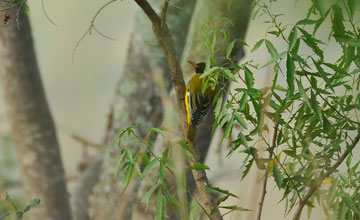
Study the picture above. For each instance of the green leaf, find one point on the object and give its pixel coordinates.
(344, 179)
(243, 101)
(303, 93)
(319, 5)
(242, 42)
(119, 162)
(229, 48)
(149, 167)
(292, 38)
(273, 52)
(28, 207)
(326, 125)
(352, 7)
(199, 166)
(26, 9)
(249, 79)
(162, 170)
(257, 45)
(159, 206)
(300, 59)
(156, 130)
(311, 42)
(337, 69)
(290, 73)
(306, 22)
(242, 139)
(183, 144)
(209, 71)
(337, 22)
(213, 42)
(333, 190)
(129, 156)
(229, 75)
(277, 176)
(228, 130)
(323, 75)
(235, 208)
(348, 160)
(349, 41)
(240, 119)
(316, 107)
(218, 189)
(127, 176)
(218, 106)
(222, 199)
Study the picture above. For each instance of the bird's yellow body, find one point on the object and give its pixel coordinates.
(197, 103)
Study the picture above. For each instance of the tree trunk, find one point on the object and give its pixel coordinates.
(32, 126)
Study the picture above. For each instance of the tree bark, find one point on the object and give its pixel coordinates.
(32, 126)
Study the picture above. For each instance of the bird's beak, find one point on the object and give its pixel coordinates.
(193, 64)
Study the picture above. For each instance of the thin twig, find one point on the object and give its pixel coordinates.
(92, 26)
(271, 150)
(46, 15)
(163, 12)
(326, 175)
(85, 142)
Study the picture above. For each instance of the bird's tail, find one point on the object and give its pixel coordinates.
(191, 133)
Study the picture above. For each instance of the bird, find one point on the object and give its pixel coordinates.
(197, 103)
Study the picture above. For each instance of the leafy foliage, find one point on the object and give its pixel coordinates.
(12, 210)
(312, 103)
(317, 113)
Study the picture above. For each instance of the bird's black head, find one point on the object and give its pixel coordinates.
(199, 67)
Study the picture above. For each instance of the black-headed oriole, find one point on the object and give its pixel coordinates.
(197, 103)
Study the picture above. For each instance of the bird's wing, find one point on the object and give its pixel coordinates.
(198, 107)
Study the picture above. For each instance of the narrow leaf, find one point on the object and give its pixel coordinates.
(290, 73)
(183, 144)
(319, 4)
(306, 22)
(277, 176)
(257, 45)
(200, 166)
(316, 107)
(149, 167)
(303, 93)
(240, 119)
(323, 74)
(235, 208)
(273, 52)
(159, 206)
(229, 75)
(337, 22)
(229, 48)
(292, 38)
(249, 79)
(352, 7)
(310, 41)
(209, 71)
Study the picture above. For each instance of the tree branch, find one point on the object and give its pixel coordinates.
(331, 170)
(163, 36)
(163, 12)
(261, 203)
